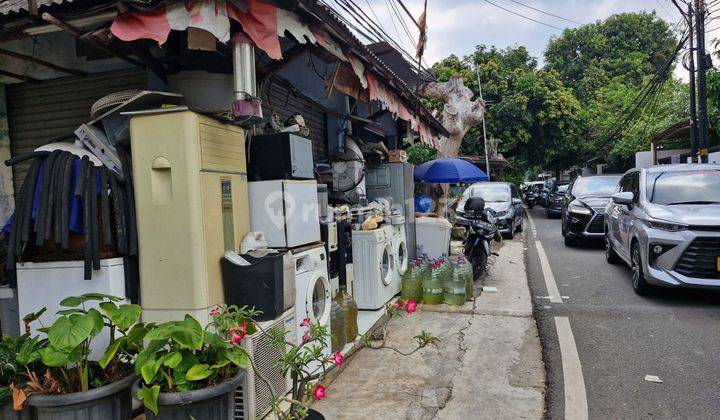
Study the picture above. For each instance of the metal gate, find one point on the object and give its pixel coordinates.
(40, 112)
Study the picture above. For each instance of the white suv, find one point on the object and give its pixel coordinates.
(664, 222)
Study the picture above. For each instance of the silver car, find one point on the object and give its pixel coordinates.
(504, 199)
(664, 222)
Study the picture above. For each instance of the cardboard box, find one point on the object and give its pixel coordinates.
(397, 156)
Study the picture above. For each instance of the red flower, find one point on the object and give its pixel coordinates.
(306, 337)
(215, 312)
(242, 328)
(411, 306)
(318, 392)
(338, 358)
(305, 322)
(400, 303)
(236, 338)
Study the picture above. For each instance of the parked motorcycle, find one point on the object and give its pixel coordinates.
(480, 223)
(530, 198)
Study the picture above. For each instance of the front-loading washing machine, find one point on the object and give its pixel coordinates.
(312, 291)
(399, 247)
(374, 273)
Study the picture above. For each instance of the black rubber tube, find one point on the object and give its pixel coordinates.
(105, 207)
(39, 227)
(87, 228)
(52, 195)
(80, 184)
(67, 194)
(94, 217)
(123, 238)
(27, 156)
(131, 224)
(59, 188)
(117, 213)
(29, 200)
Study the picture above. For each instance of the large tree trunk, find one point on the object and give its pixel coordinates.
(458, 116)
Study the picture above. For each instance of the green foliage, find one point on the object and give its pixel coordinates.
(182, 356)
(536, 118)
(70, 337)
(420, 153)
(561, 115)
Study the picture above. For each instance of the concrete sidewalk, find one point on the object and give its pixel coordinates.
(488, 364)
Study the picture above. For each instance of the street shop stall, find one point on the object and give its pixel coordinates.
(253, 159)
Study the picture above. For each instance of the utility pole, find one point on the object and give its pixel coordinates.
(701, 82)
(693, 106)
(485, 141)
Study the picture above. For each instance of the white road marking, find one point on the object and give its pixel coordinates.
(550, 285)
(532, 224)
(576, 406)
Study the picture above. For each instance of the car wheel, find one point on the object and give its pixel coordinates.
(610, 255)
(511, 231)
(520, 226)
(639, 283)
(570, 241)
(562, 228)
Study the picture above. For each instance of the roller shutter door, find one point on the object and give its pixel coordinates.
(40, 112)
(281, 100)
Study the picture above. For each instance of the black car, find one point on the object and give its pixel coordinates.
(583, 208)
(555, 199)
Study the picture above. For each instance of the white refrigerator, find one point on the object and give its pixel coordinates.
(286, 211)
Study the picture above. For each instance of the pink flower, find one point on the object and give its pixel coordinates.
(338, 358)
(306, 337)
(400, 303)
(236, 338)
(411, 306)
(215, 312)
(242, 328)
(318, 392)
(305, 322)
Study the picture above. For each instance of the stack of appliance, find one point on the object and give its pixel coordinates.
(284, 206)
(394, 182)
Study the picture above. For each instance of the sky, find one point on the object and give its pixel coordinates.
(456, 26)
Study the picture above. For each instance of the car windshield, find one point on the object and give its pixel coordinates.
(489, 192)
(684, 187)
(561, 188)
(602, 186)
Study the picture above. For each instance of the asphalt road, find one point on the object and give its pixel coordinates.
(621, 337)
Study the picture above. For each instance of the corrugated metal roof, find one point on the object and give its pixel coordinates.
(16, 6)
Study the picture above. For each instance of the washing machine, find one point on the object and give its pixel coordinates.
(374, 273)
(399, 247)
(312, 291)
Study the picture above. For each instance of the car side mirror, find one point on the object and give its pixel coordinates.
(625, 198)
(516, 201)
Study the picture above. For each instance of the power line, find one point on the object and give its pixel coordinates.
(523, 16)
(547, 13)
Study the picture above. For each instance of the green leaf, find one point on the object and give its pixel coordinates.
(110, 352)
(32, 316)
(53, 357)
(172, 360)
(98, 321)
(28, 352)
(135, 336)
(70, 311)
(238, 357)
(150, 368)
(124, 316)
(69, 331)
(188, 332)
(198, 372)
(74, 301)
(149, 397)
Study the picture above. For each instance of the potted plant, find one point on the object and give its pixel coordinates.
(12, 372)
(68, 383)
(306, 362)
(188, 372)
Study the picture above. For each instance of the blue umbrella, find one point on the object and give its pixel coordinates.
(448, 171)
